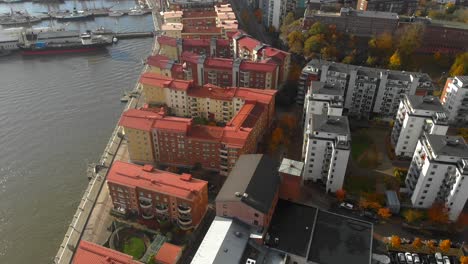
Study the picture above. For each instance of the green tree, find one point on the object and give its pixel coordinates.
(371, 61)
(460, 65)
(348, 59)
(314, 44)
(317, 28)
(410, 39)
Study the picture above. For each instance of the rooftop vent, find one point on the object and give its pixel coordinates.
(237, 194)
(453, 142)
(238, 234)
(428, 99)
(245, 195)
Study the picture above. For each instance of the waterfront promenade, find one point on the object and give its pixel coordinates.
(92, 215)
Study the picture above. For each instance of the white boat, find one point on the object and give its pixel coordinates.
(116, 14)
(136, 12)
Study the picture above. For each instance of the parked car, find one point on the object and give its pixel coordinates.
(438, 257)
(369, 215)
(431, 259)
(347, 206)
(409, 258)
(401, 258)
(446, 260)
(416, 259)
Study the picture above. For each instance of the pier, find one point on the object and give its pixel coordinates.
(90, 209)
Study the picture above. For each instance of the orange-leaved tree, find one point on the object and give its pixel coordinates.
(445, 245)
(438, 213)
(395, 241)
(431, 245)
(464, 259)
(417, 243)
(340, 194)
(384, 212)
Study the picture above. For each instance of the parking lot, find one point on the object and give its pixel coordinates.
(408, 258)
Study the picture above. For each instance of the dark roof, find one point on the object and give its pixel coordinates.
(255, 177)
(320, 236)
(325, 88)
(429, 103)
(292, 225)
(330, 124)
(340, 239)
(448, 145)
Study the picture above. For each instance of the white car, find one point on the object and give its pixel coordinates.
(438, 257)
(416, 259)
(409, 258)
(347, 206)
(446, 260)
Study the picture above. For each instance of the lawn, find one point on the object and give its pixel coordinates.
(358, 184)
(359, 144)
(134, 247)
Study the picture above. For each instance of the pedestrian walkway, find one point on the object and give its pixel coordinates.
(153, 248)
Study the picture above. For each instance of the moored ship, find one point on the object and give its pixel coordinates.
(61, 41)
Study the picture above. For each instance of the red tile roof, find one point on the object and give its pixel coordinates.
(209, 133)
(223, 42)
(257, 66)
(139, 119)
(165, 40)
(201, 29)
(249, 43)
(133, 175)
(159, 61)
(168, 254)
(276, 53)
(190, 57)
(196, 43)
(158, 80)
(199, 14)
(90, 253)
(218, 63)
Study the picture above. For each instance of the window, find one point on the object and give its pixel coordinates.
(432, 172)
(434, 167)
(423, 197)
(255, 222)
(255, 214)
(420, 203)
(425, 191)
(224, 205)
(429, 179)
(428, 185)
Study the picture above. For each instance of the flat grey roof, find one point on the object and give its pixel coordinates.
(448, 145)
(339, 239)
(330, 124)
(430, 103)
(319, 236)
(325, 88)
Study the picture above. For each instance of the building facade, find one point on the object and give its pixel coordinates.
(439, 173)
(417, 114)
(158, 195)
(326, 150)
(455, 99)
(366, 90)
(395, 6)
(250, 192)
(350, 21)
(241, 116)
(323, 99)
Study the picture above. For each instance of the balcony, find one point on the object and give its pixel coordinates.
(183, 209)
(147, 215)
(161, 209)
(185, 217)
(145, 202)
(185, 224)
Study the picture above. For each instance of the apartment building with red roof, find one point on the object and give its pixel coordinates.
(158, 195)
(88, 253)
(155, 137)
(200, 23)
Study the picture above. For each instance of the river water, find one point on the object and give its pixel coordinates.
(56, 116)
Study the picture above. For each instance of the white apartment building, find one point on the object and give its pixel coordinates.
(367, 90)
(455, 99)
(439, 173)
(417, 114)
(327, 152)
(274, 11)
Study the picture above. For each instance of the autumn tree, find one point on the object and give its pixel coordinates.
(371, 61)
(460, 66)
(294, 72)
(410, 39)
(340, 194)
(431, 245)
(445, 245)
(277, 137)
(395, 241)
(450, 8)
(258, 14)
(316, 29)
(464, 260)
(288, 122)
(382, 44)
(314, 44)
(289, 19)
(329, 52)
(438, 213)
(384, 212)
(295, 42)
(412, 216)
(417, 243)
(395, 61)
(348, 59)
